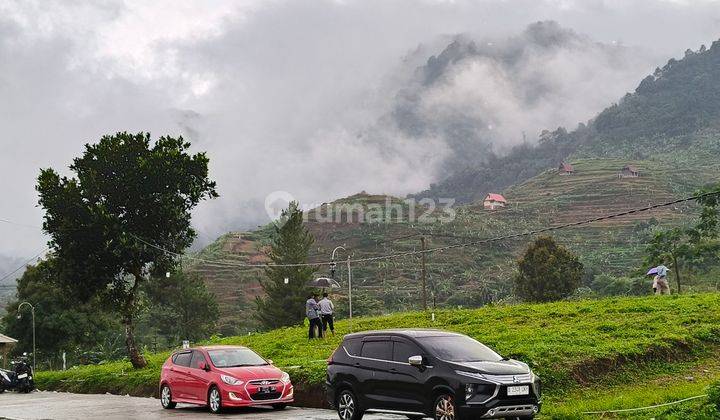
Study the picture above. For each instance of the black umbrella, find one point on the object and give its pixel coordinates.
(324, 283)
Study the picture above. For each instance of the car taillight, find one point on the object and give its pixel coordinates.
(330, 359)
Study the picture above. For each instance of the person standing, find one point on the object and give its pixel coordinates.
(661, 285)
(311, 311)
(327, 310)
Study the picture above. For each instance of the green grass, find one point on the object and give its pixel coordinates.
(661, 383)
(566, 343)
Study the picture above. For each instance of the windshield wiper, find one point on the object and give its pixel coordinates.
(246, 365)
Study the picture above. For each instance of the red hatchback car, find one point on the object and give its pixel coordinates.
(223, 376)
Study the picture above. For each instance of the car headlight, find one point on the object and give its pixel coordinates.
(469, 391)
(473, 375)
(230, 380)
(285, 377)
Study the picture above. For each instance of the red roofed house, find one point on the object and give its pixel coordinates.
(494, 201)
(566, 169)
(629, 171)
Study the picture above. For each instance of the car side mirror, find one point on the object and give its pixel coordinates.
(416, 361)
(204, 366)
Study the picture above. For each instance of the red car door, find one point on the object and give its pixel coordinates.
(198, 378)
(179, 384)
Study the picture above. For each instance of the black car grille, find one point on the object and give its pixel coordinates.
(264, 396)
(258, 396)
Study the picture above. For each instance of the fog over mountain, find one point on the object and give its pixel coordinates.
(482, 96)
(320, 99)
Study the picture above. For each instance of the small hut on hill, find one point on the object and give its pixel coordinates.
(494, 201)
(566, 169)
(629, 171)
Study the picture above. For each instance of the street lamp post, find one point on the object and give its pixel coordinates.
(32, 311)
(332, 275)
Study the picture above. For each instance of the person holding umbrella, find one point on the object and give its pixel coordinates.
(311, 311)
(324, 309)
(660, 284)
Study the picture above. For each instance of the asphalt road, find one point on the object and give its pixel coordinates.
(66, 406)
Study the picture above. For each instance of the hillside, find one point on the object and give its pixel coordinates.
(671, 110)
(475, 275)
(612, 341)
(669, 128)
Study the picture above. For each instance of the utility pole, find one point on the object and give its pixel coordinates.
(423, 275)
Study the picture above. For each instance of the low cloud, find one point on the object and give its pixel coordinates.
(305, 96)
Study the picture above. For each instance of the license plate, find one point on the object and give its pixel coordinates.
(22, 376)
(266, 389)
(518, 390)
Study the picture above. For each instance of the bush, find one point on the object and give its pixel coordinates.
(714, 395)
(608, 285)
(547, 272)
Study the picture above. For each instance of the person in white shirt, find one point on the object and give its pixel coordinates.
(326, 313)
(312, 311)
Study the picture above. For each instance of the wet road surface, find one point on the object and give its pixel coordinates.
(67, 406)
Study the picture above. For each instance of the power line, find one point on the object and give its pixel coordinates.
(10, 222)
(24, 264)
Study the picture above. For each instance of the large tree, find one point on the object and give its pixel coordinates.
(547, 272)
(284, 303)
(62, 323)
(123, 217)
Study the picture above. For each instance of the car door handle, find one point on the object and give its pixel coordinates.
(393, 370)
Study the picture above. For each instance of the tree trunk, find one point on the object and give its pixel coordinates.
(677, 273)
(136, 358)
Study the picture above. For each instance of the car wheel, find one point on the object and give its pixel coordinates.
(214, 400)
(445, 408)
(279, 406)
(348, 407)
(166, 398)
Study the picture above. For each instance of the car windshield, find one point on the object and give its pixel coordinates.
(224, 358)
(459, 348)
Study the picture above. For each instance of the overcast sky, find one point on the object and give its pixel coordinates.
(276, 91)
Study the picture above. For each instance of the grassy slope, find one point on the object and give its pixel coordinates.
(567, 343)
(657, 384)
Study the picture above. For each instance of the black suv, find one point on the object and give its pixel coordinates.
(432, 373)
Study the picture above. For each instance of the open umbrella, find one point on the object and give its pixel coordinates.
(324, 283)
(652, 272)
